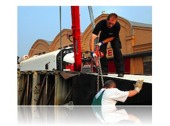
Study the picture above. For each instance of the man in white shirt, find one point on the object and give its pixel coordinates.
(109, 94)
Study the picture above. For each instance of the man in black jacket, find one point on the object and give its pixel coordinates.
(109, 32)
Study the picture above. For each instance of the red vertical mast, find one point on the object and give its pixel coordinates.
(76, 37)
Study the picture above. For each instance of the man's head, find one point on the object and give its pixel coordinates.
(110, 84)
(111, 20)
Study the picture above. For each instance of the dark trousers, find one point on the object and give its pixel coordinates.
(118, 57)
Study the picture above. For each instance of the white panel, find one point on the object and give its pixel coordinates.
(37, 63)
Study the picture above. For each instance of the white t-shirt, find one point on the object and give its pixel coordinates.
(112, 95)
(109, 99)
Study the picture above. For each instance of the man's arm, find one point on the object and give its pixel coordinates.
(105, 41)
(137, 88)
(108, 40)
(95, 34)
(93, 37)
(132, 93)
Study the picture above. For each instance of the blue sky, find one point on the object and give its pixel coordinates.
(42, 22)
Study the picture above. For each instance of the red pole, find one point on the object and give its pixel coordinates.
(76, 37)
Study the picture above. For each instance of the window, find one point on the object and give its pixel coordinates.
(147, 65)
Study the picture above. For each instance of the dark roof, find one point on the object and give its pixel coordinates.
(140, 24)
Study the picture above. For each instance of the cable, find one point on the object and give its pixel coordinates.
(60, 40)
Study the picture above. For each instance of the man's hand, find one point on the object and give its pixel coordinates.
(138, 85)
(99, 43)
(93, 54)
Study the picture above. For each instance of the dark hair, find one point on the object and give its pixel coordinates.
(112, 15)
(108, 83)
